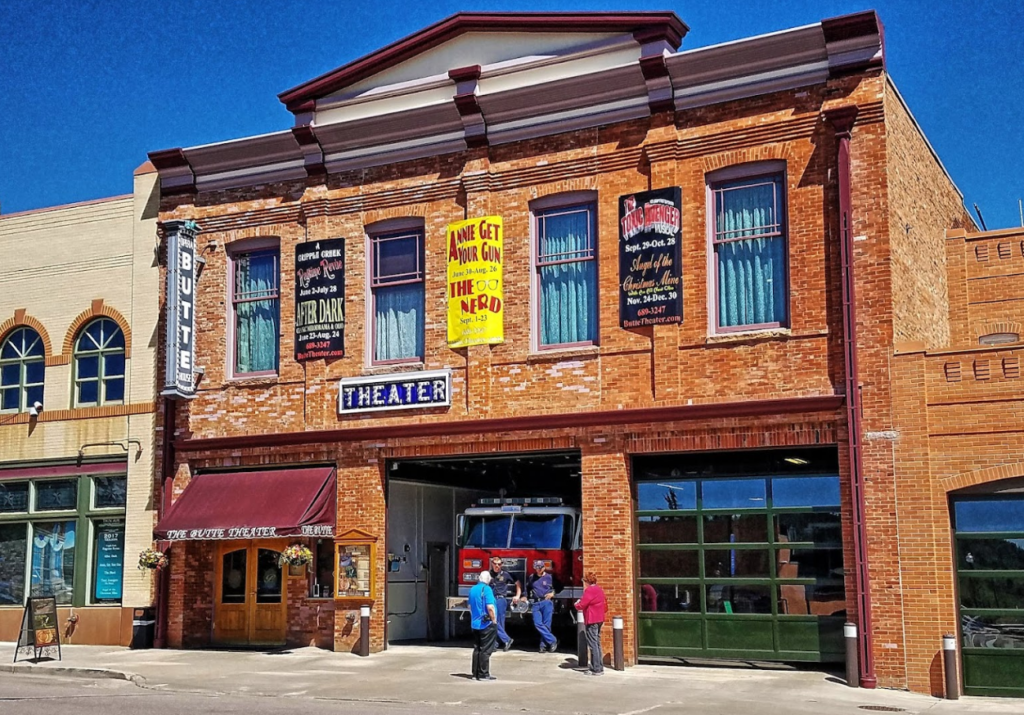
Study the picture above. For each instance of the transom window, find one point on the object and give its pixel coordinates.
(566, 264)
(397, 288)
(749, 245)
(99, 364)
(21, 370)
(255, 302)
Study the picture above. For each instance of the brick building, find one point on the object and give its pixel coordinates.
(730, 454)
(78, 305)
(958, 412)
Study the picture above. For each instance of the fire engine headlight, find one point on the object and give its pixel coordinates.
(471, 577)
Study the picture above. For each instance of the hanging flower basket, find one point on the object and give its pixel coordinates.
(295, 555)
(152, 559)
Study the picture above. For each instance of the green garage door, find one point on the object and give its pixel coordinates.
(744, 568)
(990, 567)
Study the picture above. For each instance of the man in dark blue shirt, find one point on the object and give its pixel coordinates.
(501, 583)
(541, 588)
(485, 630)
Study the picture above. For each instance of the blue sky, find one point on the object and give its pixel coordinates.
(87, 88)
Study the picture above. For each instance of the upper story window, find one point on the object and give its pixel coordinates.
(21, 370)
(99, 364)
(566, 264)
(397, 294)
(255, 303)
(749, 251)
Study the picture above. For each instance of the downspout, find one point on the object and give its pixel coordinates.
(842, 120)
(163, 576)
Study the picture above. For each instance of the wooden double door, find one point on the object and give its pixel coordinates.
(250, 594)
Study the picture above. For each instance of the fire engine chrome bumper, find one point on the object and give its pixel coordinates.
(565, 598)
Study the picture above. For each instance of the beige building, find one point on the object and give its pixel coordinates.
(79, 307)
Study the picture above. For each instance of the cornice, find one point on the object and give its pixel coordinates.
(529, 423)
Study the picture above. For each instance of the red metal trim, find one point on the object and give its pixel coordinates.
(298, 99)
(65, 470)
(842, 121)
(681, 413)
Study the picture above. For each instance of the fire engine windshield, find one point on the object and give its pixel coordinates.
(487, 532)
(541, 531)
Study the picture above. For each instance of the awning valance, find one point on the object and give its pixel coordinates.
(254, 505)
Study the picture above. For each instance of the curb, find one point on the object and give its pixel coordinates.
(73, 672)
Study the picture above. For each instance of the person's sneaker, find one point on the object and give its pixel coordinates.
(507, 646)
(487, 677)
(590, 672)
(554, 646)
(543, 647)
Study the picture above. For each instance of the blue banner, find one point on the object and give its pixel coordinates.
(109, 562)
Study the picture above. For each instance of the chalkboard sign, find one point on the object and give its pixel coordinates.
(39, 631)
(650, 258)
(320, 299)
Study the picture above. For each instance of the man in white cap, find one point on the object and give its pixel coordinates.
(485, 626)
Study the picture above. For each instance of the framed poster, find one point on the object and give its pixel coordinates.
(320, 299)
(650, 258)
(354, 566)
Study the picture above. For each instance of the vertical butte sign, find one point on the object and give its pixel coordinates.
(180, 309)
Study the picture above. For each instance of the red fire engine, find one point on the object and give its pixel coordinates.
(521, 531)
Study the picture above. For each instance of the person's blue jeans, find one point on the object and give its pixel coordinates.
(542, 611)
(500, 609)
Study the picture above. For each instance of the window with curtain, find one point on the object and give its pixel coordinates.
(99, 364)
(256, 305)
(567, 276)
(21, 370)
(750, 253)
(398, 296)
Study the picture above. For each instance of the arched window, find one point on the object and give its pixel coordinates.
(99, 364)
(21, 370)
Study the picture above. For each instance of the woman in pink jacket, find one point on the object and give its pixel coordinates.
(593, 606)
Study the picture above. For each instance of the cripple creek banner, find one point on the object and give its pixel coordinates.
(320, 299)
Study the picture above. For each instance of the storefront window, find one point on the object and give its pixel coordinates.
(109, 492)
(57, 495)
(53, 560)
(322, 584)
(39, 547)
(13, 497)
(13, 546)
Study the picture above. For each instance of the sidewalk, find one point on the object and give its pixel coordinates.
(538, 682)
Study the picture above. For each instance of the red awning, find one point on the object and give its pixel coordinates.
(254, 505)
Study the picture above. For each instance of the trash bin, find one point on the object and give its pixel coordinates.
(143, 626)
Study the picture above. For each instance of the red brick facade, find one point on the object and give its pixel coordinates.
(700, 391)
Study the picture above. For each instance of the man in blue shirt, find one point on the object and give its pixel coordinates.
(485, 629)
(541, 588)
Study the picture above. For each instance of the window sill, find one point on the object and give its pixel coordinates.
(395, 368)
(247, 380)
(560, 354)
(747, 336)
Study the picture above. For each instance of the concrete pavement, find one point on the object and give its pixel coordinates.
(439, 676)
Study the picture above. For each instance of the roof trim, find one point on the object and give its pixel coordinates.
(667, 24)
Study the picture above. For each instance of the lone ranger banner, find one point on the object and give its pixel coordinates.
(650, 258)
(320, 299)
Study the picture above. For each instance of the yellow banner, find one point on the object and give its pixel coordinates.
(475, 292)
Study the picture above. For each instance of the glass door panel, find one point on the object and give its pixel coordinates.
(233, 570)
(268, 576)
